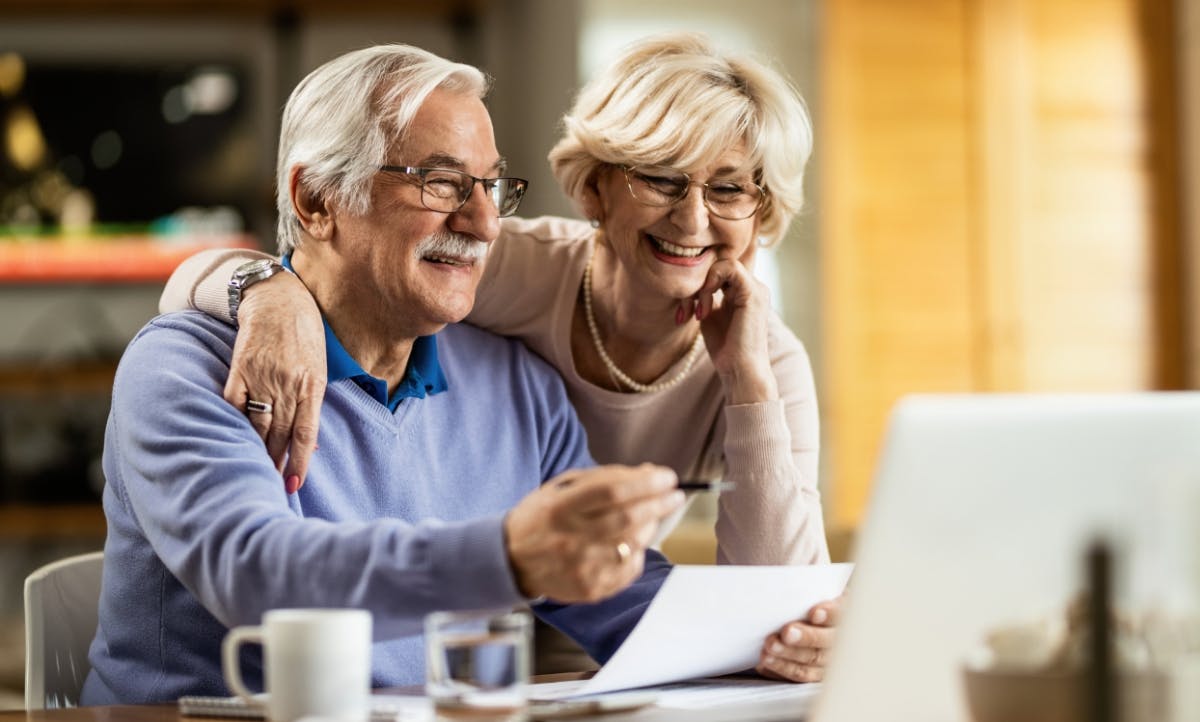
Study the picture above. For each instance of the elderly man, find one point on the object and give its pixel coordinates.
(427, 489)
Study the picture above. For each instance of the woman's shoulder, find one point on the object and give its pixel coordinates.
(529, 247)
(531, 276)
(545, 231)
(789, 359)
(540, 243)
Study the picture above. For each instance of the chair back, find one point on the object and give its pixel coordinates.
(61, 608)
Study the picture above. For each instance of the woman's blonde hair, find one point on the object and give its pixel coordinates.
(676, 100)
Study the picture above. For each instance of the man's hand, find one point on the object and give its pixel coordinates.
(799, 651)
(279, 359)
(581, 537)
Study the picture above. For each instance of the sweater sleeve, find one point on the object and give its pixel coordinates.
(771, 450)
(191, 474)
(200, 282)
(601, 627)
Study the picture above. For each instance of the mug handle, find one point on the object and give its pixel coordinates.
(229, 658)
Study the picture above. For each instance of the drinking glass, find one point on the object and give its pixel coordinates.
(477, 664)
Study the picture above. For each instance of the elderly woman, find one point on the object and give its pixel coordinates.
(684, 160)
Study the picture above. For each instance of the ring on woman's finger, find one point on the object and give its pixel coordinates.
(623, 552)
(258, 407)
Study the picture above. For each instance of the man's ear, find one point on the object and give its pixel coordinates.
(315, 217)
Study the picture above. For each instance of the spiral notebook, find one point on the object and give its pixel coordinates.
(384, 708)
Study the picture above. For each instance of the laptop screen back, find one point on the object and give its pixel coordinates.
(981, 511)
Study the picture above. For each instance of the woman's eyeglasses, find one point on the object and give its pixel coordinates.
(445, 190)
(733, 200)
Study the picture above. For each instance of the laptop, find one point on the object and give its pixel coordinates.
(981, 513)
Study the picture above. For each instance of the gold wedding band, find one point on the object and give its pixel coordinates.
(623, 552)
(258, 407)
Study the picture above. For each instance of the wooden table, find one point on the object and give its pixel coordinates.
(771, 711)
(758, 712)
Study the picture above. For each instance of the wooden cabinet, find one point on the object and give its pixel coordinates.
(995, 214)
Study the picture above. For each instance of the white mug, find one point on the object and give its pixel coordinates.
(317, 663)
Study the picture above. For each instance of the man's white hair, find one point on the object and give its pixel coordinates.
(341, 121)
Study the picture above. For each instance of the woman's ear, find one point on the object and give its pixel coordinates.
(311, 211)
(590, 198)
(750, 254)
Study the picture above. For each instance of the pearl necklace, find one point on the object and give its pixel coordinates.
(609, 364)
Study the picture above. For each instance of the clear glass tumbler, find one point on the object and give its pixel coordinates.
(477, 664)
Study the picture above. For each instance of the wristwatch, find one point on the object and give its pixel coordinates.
(245, 276)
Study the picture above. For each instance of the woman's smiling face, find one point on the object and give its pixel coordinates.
(668, 250)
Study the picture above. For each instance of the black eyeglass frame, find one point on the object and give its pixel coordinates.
(763, 193)
(516, 194)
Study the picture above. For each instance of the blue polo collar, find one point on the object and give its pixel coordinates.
(422, 378)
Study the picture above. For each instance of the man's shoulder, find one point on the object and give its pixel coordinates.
(479, 349)
(191, 322)
(180, 335)
(465, 339)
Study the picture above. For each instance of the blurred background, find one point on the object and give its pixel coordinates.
(1003, 197)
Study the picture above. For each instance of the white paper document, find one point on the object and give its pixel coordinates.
(692, 693)
(707, 621)
(707, 693)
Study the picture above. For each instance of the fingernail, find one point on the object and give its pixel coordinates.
(819, 616)
(770, 660)
(292, 484)
(776, 648)
(792, 635)
(316, 446)
(680, 315)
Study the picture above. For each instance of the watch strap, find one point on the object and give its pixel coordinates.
(246, 276)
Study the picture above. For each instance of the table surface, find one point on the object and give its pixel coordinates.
(767, 711)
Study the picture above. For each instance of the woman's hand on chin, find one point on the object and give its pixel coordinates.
(735, 329)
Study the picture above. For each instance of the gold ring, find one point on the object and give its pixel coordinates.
(623, 552)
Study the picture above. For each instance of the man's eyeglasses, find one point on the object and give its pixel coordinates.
(445, 190)
(733, 200)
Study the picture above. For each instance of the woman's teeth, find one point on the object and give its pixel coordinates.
(674, 250)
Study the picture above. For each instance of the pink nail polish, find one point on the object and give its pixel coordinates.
(292, 484)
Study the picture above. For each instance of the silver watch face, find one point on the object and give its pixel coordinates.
(246, 275)
(252, 267)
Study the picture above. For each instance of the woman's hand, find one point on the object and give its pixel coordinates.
(735, 330)
(799, 650)
(279, 359)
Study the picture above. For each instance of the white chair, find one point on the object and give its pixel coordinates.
(62, 600)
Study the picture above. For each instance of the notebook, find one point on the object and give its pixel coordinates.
(981, 510)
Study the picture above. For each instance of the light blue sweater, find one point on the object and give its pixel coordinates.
(401, 513)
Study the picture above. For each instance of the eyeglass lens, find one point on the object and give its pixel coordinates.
(447, 190)
(727, 198)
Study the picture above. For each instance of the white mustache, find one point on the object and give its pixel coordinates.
(454, 245)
